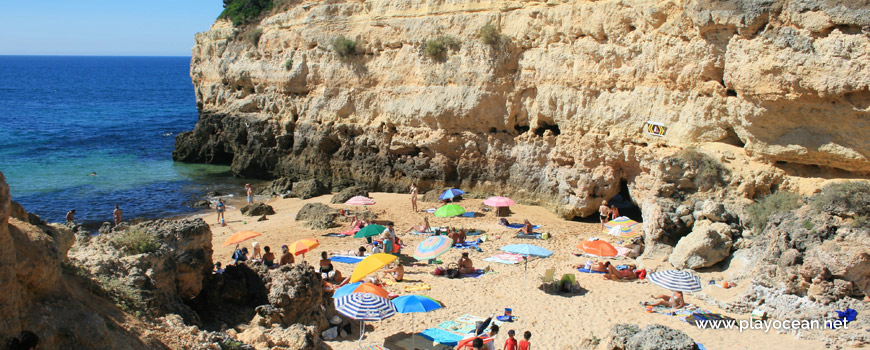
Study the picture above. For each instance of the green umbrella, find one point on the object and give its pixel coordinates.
(369, 231)
(449, 210)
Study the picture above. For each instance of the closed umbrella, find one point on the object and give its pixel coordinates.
(415, 303)
(241, 237)
(676, 280)
(499, 201)
(446, 211)
(360, 287)
(371, 264)
(597, 248)
(369, 231)
(450, 194)
(360, 200)
(303, 246)
(432, 247)
(364, 307)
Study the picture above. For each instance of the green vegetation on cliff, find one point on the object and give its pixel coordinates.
(244, 11)
(776, 203)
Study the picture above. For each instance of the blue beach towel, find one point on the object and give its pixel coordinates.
(441, 336)
(588, 270)
(346, 259)
(467, 244)
(474, 274)
(534, 235)
(534, 227)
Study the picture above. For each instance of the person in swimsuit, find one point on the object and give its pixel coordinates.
(614, 274)
(604, 213)
(414, 197)
(325, 263)
(116, 214)
(220, 212)
(465, 264)
(396, 273)
(268, 258)
(250, 192)
(71, 216)
(256, 255)
(675, 301)
(286, 257)
(614, 211)
(524, 344)
(527, 228)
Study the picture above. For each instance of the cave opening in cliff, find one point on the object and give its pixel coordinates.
(625, 204)
(543, 127)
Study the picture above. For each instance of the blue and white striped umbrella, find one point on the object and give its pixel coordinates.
(365, 307)
(449, 194)
(676, 280)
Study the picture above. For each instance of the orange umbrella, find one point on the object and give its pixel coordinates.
(599, 248)
(241, 237)
(303, 246)
(361, 288)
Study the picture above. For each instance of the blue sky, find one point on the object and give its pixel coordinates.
(104, 27)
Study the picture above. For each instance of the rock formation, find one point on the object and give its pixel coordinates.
(625, 336)
(553, 113)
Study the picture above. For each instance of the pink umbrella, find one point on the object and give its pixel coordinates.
(499, 201)
(360, 200)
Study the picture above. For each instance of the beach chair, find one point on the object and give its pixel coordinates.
(549, 277)
(570, 278)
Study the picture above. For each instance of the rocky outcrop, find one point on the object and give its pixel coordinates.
(277, 187)
(347, 193)
(708, 244)
(295, 297)
(317, 216)
(258, 209)
(554, 115)
(308, 189)
(625, 336)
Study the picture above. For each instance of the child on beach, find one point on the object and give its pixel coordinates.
(524, 344)
(510, 343)
(250, 192)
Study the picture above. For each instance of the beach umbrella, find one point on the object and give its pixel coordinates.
(364, 307)
(597, 248)
(360, 200)
(415, 303)
(371, 264)
(360, 287)
(446, 211)
(369, 231)
(527, 250)
(450, 194)
(676, 280)
(499, 201)
(628, 227)
(241, 237)
(432, 247)
(303, 246)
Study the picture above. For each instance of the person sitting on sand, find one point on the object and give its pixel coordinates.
(240, 255)
(465, 264)
(286, 257)
(615, 274)
(457, 236)
(256, 256)
(325, 263)
(675, 301)
(396, 274)
(527, 228)
(422, 228)
(269, 257)
(218, 269)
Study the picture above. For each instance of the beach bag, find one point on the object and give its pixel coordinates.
(438, 271)
(545, 235)
(452, 271)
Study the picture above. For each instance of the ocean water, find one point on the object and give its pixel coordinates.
(64, 117)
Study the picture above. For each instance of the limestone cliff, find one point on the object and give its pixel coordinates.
(552, 112)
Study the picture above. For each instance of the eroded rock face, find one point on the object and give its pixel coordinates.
(708, 244)
(552, 116)
(626, 336)
(258, 209)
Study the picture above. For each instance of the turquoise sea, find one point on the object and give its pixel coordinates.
(65, 117)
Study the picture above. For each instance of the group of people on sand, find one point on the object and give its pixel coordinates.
(116, 216)
(221, 207)
(486, 341)
(265, 257)
(607, 213)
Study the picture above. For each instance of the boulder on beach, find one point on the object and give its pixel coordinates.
(708, 244)
(626, 336)
(308, 189)
(202, 204)
(317, 216)
(258, 209)
(348, 193)
(276, 187)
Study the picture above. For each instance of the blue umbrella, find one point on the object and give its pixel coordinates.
(365, 307)
(415, 303)
(527, 250)
(345, 290)
(676, 280)
(449, 194)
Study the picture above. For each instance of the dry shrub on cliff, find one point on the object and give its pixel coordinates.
(437, 48)
(343, 46)
(136, 241)
(253, 36)
(708, 171)
(489, 34)
(776, 203)
(288, 64)
(850, 199)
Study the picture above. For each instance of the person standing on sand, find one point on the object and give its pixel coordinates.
(220, 211)
(116, 214)
(250, 192)
(71, 216)
(414, 197)
(604, 213)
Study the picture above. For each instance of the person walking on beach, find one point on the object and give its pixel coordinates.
(414, 197)
(604, 213)
(116, 214)
(250, 192)
(71, 216)
(220, 211)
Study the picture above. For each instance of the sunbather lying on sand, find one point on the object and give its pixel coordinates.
(676, 301)
(359, 252)
(624, 274)
(422, 228)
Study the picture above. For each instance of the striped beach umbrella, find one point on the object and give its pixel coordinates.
(360, 200)
(628, 227)
(432, 247)
(676, 280)
(364, 307)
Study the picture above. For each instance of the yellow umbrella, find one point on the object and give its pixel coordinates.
(371, 264)
(303, 246)
(241, 237)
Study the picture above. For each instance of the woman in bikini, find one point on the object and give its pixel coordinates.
(220, 211)
(325, 263)
(675, 301)
(604, 213)
(614, 274)
(414, 197)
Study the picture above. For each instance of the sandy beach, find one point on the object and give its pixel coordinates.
(557, 321)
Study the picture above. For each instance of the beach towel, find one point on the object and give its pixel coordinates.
(477, 273)
(374, 347)
(474, 233)
(430, 210)
(534, 227)
(415, 232)
(505, 258)
(346, 259)
(468, 214)
(416, 286)
(441, 336)
(534, 235)
(583, 269)
(468, 244)
(337, 235)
